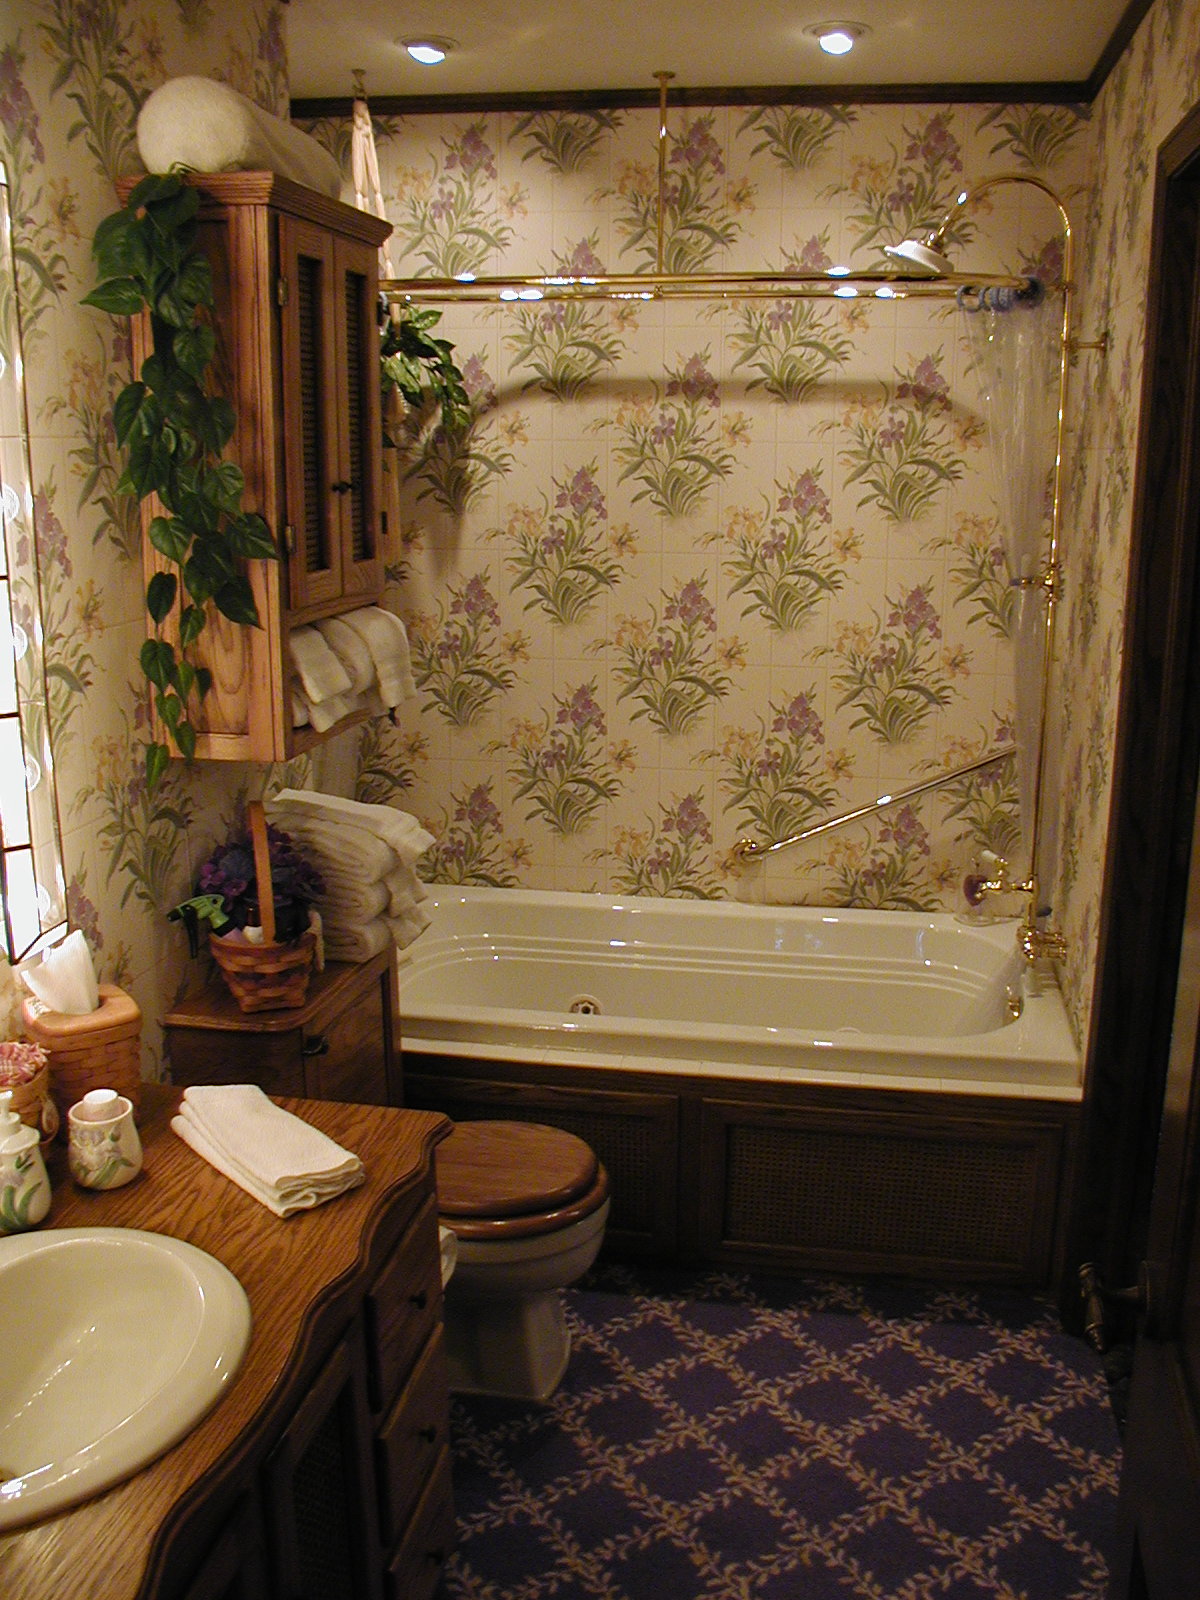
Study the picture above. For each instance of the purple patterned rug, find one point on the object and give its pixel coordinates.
(730, 1436)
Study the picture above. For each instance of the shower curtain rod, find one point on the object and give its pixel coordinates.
(693, 286)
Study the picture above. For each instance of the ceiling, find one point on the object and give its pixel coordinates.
(513, 47)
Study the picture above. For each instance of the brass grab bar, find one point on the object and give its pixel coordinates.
(751, 850)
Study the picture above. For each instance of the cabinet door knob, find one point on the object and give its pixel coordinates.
(428, 1434)
(420, 1299)
(318, 1045)
(342, 486)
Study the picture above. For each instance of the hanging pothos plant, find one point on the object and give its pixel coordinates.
(420, 369)
(173, 427)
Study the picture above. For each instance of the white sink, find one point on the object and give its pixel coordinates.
(113, 1344)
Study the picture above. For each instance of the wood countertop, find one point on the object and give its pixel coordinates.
(300, 1275)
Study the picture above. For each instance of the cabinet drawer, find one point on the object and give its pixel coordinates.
(417, 1565)
(412, 1438)
(404, 1306)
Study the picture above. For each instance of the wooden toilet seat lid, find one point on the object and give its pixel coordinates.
(511, 1169)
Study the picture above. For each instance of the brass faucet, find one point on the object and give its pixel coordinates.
(1033, 942)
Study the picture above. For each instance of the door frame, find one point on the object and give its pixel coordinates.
(1157, 756)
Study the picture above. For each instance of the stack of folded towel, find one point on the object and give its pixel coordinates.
(367, 856)
(359, 661)
(279, 1159)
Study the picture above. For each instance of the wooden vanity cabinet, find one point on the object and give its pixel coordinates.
(295, 279)
(324, 1472)
(341, 1044)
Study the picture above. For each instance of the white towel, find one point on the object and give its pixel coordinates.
(400, 829)
(206, 126)
(408, 925)
(350, 648)
(340, 846)
(322, 676)
(358, 943)
(386, 637)
(405, 890)
(278, 1158)
(347, 900)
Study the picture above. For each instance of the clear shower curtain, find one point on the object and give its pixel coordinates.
(1016, 357)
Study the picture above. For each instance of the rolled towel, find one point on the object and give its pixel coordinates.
(322, 676)
(206, 126)
(400, 829)
(350, 648)
(348, 900)
(386, 637)
(281, 1160)
(358, 944)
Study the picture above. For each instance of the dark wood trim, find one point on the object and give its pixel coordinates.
(1131, 20)
(1052, 92)
(1157, 758)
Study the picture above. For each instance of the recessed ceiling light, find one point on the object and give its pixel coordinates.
(837, 38)
(429, 49)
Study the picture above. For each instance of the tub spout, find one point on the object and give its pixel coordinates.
(993, 878)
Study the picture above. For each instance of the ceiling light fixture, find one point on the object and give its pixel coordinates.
(837, 38)
(429, 49)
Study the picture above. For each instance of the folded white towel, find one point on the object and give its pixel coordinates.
(400, 829)
(347, 901)
(408, 925)
(386, 637)
(448, 1249)
(349, 646)
(404, 889)
(358, 943)
(322, 676)
(206, 126)
(341, 846)
(300, 711)
(282, 1161)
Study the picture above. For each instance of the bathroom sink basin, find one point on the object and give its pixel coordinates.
(113, 1344)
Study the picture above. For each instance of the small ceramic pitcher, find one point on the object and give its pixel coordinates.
(24, 1184)
(103, 1148)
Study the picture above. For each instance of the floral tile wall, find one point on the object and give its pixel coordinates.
(700, 570)
(72, 78)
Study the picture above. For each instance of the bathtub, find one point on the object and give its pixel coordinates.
(900, 1000)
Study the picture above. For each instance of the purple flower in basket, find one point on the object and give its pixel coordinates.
(295, 882)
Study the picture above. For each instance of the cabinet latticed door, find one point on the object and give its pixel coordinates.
(331, 410)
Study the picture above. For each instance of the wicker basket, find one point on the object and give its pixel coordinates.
(99, 1050)
(266, 976)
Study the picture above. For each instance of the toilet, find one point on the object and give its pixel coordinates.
(527, 1205)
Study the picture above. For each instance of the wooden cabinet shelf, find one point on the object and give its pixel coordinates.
(339, 1045)
(295, 279)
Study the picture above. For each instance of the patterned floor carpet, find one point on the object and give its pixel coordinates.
(734, 1437)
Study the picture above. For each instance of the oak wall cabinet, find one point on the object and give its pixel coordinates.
(296, 279)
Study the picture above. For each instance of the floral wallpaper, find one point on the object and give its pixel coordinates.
(696, 571)
(701, 571)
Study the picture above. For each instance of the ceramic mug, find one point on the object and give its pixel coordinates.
(103, 1148)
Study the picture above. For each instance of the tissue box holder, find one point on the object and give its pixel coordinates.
(101, 1049)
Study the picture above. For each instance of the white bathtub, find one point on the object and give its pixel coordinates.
(885, 999)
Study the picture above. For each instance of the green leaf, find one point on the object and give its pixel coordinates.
(170, 709)
(117, 247)
(185, 679)
(222, 487)
(191, 624)
(157, 659)
(194, 348)
(121, 296)
(155, 187)
(235, 600)
(160, 595)
(157, 759)
(170, 537)
(127, 409)
(249, 536)
(204, 680)
(185, 738)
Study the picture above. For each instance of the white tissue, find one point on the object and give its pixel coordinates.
(63, 977)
